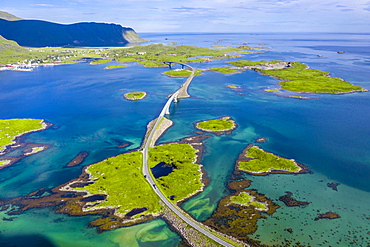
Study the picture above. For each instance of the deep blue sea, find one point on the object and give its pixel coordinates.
(329, 134)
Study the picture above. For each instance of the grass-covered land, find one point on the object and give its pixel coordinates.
(12, 53)
(245, 199)
(185, 180)
(100, 61)
(298, 78)
(11, 128)
(148, 55)
(180, 73)
(152, 64)
(116, 66)
(127, 59)
(264, 162)
(121, 178)
(225, 70)
(134, 95)
(242, 63)
(182, 53)
(215, 125)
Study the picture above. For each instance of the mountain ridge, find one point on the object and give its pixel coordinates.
(38, 33)
(9, 17)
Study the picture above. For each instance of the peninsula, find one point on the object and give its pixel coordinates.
(11, 130)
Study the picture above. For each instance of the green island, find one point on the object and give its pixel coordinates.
(180, 73)
(245, 199)
(297, 77)
(225, 70)
(126, 59)
(182, 157)
(134, 95)
(12, 128)
(116, 66)
(151, 64)
(100, 61)
(121, 179)
(217, 125)
(179, 53)
(262, 162)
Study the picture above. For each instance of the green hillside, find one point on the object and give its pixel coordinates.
(11, 52)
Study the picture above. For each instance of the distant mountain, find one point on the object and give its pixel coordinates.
(35, 33)
(9, 17)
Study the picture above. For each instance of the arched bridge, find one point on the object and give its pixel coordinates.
(183, 91)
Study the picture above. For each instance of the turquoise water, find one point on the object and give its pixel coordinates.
(330, 134)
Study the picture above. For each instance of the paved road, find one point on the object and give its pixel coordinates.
(183, 91)
(150, 179)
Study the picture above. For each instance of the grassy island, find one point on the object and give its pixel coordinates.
(297, 77)
(186, 178)
(127, 59)
(134, 95)
(225, 70)
(217, 125)
(12, 128)
(262, 162)
(246, 200)
(116, 66)
(100, 61)
(121, 179)
(177, 53)
(152, 64)
(180, 73)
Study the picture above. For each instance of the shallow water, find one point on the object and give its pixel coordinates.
(329, 134)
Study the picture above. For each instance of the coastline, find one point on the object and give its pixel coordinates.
(17, 140)
(77, 202)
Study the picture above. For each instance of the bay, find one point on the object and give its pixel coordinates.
(330, 134)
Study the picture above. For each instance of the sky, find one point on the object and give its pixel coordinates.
(219, 16)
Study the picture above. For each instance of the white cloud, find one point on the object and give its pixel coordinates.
(43, 5)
